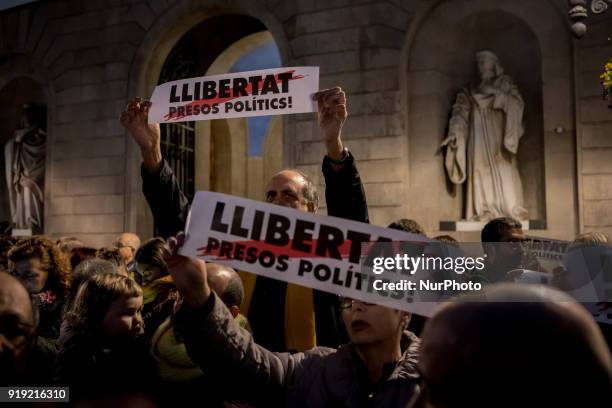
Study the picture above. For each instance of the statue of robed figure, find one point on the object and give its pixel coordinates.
(482, 143)
(24, 155)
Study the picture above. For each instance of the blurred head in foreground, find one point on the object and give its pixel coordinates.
(524, 346)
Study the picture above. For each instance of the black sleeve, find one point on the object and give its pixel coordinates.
(345, 199)
(166, 200)
(216, 343)
(344, 191)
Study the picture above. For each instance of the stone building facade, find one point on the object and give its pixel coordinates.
(400, 61)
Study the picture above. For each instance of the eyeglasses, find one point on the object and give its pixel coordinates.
(347, 303)
(119, 245)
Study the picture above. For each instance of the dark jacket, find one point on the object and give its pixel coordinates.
(38, 370)
(321, 377)
(344, 195)
(345, 198)
(93, 369)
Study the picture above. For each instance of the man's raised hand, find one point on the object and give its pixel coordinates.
(134, 118)
(332, 115)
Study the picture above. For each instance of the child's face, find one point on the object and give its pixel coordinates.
(123, 318)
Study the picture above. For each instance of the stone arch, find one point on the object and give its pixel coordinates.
(166, 30)
(229, 141)
(436, 63)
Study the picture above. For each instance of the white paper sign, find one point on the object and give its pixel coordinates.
(275, 91)
(310, 250)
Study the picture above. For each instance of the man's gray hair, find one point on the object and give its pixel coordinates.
(309, 192)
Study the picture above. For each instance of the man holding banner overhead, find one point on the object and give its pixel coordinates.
(309, 317)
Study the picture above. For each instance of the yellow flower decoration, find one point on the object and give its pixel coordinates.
(606, 77)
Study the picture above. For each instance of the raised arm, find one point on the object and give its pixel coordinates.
(159, 185)
(344, 191)
(221, 348)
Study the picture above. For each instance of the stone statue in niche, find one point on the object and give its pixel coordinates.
(24, 155)
(482, 142)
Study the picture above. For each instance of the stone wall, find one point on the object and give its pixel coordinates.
(594, 137)
(90, 57)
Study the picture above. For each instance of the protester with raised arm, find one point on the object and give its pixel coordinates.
(345, 198)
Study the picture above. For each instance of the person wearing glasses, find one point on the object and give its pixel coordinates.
(377, 368)
(127, 244)
(25, 358)
(284, 317)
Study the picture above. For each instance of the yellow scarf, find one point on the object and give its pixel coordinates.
(300, 329)
(152, 289)
(172, 361)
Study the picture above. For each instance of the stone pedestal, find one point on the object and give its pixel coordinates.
(471, 226)
(21, 232)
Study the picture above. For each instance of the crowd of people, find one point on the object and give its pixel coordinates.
(137, 324)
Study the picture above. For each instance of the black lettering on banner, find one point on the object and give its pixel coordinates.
(209, 90)
(226, 250)
(381, 248)
(282, 103)
(237, 228)
(239, 251)
(251, 255)
(356, 238)
(274, 103)
(173, 97)
(304, 267)
(240, 87)
(330, 238)
(217, 225)
(213, 244)
(181, 111)
(224, 88)
(196, 91)
(302, 235)
(269, 85)
(336, 279)
(186, 97)
(270, 259)
(359, 277)
(285, 77)
(276, 233)
(255, 80)
(257, 224)
(197, 109)
(349, 277)
(215, 108)
(322, 272)
(189, 110)
(282, 263)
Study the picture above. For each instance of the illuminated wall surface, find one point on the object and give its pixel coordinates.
(262, 57)
(400, 62)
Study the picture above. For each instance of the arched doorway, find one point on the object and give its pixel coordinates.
(209, 31)
(192, 56)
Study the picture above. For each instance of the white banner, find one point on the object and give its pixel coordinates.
(373, 264)
(310, 250)
(254, 93)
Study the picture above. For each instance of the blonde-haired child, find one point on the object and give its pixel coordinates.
(102, 354)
